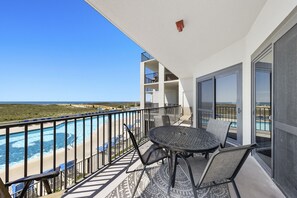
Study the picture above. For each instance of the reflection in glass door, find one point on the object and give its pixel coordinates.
(226, 102)
(262, 107)
(205, 104)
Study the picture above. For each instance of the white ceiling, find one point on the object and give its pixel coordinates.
(210, 26)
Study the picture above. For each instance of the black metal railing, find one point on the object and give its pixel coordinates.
(78, 144)
(152, 77)
(263, 118)
(151, 105)
(146, 56)
(228, 113)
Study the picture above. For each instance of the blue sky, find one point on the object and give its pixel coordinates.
(63, 50)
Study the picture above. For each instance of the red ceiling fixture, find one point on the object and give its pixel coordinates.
(180, 25)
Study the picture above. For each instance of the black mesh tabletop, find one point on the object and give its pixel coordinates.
(183, 139)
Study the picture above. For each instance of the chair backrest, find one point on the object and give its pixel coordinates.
(134, 143)
(225, 164)
(219, 128)
(161, 120)
(3, 190)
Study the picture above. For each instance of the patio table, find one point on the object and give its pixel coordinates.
(180, 140)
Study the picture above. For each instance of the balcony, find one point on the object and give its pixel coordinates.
(152, 78)
(146, 56)
(96, 152)
(115, 182)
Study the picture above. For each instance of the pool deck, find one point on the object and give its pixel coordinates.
(17, 171)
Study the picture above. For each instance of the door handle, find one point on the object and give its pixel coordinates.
(238, 110)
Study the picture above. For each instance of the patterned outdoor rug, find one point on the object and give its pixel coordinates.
(157, 185)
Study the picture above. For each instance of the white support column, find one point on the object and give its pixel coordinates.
(161, 85)
(142, 91)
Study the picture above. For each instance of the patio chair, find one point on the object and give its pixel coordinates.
(152, 155)
(161, 120)
(220, 129)
(43, 177)
(222, 167)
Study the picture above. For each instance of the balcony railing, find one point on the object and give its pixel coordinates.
(146, 56)
(152, 77)
(79, 145)
(228, 113)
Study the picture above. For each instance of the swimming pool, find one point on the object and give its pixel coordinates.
(16, 140)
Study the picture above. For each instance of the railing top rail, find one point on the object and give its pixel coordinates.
(71, 117)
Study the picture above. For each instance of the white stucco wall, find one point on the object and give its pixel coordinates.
(171, 96)
(272, 14)
(185, 92)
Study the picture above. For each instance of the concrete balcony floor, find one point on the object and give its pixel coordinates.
(252, 181)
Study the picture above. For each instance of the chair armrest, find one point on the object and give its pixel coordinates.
(37, 177)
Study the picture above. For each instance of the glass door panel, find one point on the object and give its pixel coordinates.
(205, 104)
(262, 108)
(219, 97)
(226, 102)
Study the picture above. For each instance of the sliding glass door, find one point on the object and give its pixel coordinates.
(262, 109)
(205, 104)
(219, 97)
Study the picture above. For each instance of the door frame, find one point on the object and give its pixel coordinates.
(235, 69)
(262, 54)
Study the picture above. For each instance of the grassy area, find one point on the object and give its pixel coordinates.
(15, 112)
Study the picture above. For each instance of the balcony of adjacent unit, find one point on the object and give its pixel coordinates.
(151, 92)
(169, 76)
(151, 72)
(146, 57)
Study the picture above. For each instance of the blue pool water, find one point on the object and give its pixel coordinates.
(264, 126)
(16, 143)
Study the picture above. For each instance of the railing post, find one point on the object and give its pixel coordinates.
(109, 138)
(41, 154)
(75, 149)
(65, 156)
(54, 152)
(84, 145)
(149, 119)
(26, 152)
(91, 143)
(7, 156)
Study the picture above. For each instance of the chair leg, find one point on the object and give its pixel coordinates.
(236, 189)
(206, 156)
(138, 181)
(191, 176)
(47, 186)
(130, 163)
(27, 184)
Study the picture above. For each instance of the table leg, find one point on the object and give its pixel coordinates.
(174, 170)
(170, 164)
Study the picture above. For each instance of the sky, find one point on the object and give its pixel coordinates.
(64, 50)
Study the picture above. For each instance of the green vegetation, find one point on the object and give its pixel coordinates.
(13, 112)
(16, 112)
